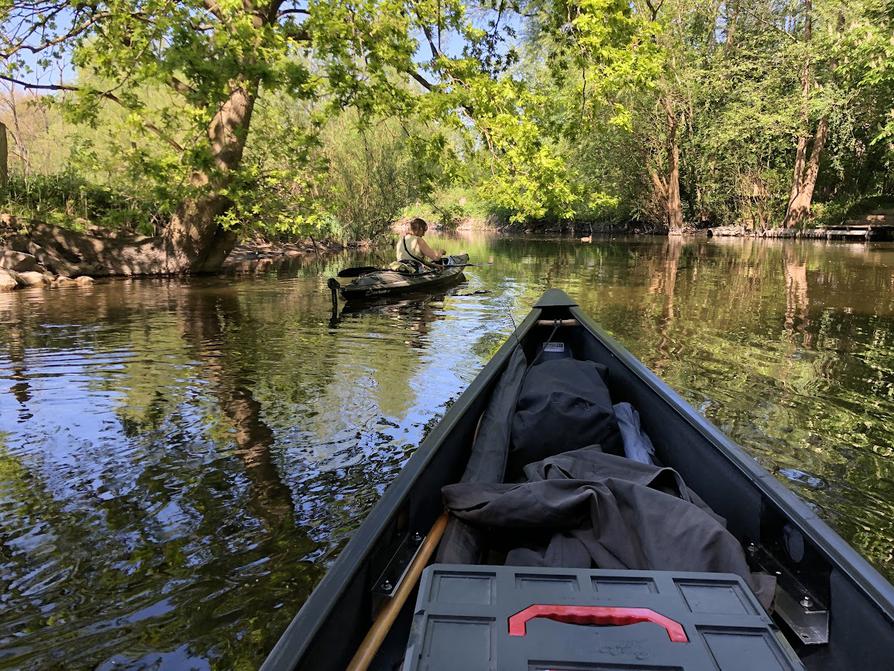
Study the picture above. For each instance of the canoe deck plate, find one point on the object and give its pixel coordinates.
(404, 553)
(797, 606)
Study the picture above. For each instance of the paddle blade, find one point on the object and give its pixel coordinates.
(357, 272)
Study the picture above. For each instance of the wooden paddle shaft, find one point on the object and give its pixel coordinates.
(385, 619)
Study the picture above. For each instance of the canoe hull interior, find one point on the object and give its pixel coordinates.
(759, 511)
(389, 283)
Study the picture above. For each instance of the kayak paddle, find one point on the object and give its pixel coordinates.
(358, 271)
(363, 270)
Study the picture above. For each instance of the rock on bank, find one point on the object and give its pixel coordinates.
(20, 269)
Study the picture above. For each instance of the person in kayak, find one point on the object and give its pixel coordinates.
(413, 251)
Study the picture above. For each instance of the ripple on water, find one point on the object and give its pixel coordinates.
(180, 461)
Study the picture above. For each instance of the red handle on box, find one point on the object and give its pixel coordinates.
(595, 615)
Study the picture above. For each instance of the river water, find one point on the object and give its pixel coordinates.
(181, 460)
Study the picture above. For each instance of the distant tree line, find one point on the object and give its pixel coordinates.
(198, 121)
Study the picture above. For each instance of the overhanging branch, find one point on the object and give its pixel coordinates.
(73, 32)
(422, 80)
(106, 95)
(36, 86)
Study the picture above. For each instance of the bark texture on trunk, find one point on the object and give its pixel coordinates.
(810, 144)
(805, 176)
(4, 157)
(229, 127)
(674, 203)
(667, 186)
(194, 240)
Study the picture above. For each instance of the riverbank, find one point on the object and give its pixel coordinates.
(23, 265)
(19, 270)
(742, 232)
(874, 225)
(258, 255)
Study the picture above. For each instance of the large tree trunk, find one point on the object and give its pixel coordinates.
(804, 179)
(668, 185)
(673, 204)
(806, 168)
(194, 239)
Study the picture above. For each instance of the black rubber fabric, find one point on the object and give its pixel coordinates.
(563, 405)
(462, 543)
(590, 509)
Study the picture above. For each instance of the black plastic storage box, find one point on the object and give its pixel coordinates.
(495, 618)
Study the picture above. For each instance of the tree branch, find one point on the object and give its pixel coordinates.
(33, 85)
(422, 80)
(71, 34)
(106, 95)
(426, 30)
(767, 23)
(214, 8)
(654, 9)
(180, 86)
(293, 10)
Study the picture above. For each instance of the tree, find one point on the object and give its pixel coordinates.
(811, 140)
(213, 59)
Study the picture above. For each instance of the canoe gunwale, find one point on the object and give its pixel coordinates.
(300, 632)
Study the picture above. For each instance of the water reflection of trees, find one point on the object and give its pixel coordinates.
(401, 330)
(206, 318)
(21, 388)
(157, 520)
(247, 439)
(161, 511)
(796, 302)
(788, 347)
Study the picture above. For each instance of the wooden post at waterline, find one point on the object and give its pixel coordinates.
(4, 157)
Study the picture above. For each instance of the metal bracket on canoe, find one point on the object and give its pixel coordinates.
(407, 549)
(796, 605)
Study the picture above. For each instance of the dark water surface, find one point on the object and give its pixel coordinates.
(181, 460)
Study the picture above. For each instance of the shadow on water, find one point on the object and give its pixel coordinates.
(181, 460)
(416, 308)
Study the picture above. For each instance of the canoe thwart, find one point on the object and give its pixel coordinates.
(557, 322)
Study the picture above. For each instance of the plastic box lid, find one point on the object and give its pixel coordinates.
(490, 618)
